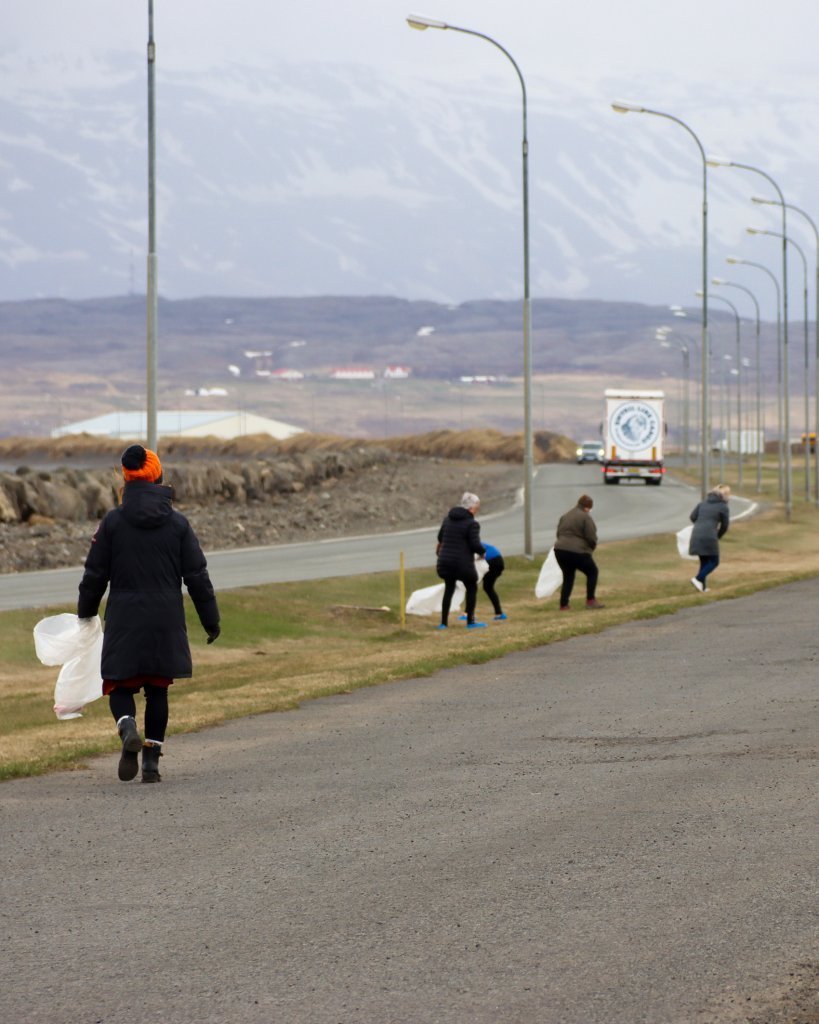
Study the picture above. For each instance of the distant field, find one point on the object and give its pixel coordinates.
(570, 404)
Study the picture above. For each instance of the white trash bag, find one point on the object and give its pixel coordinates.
(428, 600)
(683, 540)
(550, 578)
(77, 646)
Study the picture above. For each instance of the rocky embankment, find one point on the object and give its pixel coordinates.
(48, 516)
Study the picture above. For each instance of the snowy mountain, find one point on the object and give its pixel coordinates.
(311, 180)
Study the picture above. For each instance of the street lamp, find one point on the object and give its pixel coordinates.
(662, 335)
(796, 209)
(776, 234)
(759, 432)
(421, 23)
(721, 162)
(739, 389)
(735, 260)
(151, 289)
(621, 107)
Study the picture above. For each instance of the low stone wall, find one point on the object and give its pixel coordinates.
(81, 494)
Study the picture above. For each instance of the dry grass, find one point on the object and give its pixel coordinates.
(286, 643)
(476, 445)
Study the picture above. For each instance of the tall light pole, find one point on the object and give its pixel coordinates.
(776, 234)
(662, 335)
(151, 292)
(622, 107)
(735, 260)
(721, 162)
(728, 302)
(759, 431)
(419, 22)
(681, 314)
(796, 209)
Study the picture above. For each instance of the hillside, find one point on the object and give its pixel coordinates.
(66, 361)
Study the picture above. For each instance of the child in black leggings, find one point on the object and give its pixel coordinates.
(494, 559)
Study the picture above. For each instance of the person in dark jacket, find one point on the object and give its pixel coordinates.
(459, 542)
(144, 550)
(710, 519)
(576, 540)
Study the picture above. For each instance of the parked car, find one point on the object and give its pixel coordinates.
(590, 451)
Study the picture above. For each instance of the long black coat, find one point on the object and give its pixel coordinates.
(459, 540)
(145, 550)
(710, 519)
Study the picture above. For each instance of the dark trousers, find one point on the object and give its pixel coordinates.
(707, 565)
(122, 702)
(570, 562)
(471, 587)
(496, 567)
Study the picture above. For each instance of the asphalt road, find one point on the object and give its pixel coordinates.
(615, 829)
(627, 510)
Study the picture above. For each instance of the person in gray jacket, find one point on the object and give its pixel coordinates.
(710, 519)
(576, 540)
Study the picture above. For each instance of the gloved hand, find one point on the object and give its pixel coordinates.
(213, 632)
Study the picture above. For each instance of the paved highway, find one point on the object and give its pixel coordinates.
(627, 510)
(615, 829)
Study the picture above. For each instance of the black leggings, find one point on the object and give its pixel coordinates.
(496, 567)
(570, 562)
(471, 587)
(122, 703)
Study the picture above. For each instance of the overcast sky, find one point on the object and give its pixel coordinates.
(747, 41)
(751, 53)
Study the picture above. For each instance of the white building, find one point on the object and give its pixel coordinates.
(352, 373)
(224, 424)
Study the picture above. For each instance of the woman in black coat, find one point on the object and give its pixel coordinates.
(459, 542)
(710, 519)
(144, 550)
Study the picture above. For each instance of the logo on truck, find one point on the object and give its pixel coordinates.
(635, 426)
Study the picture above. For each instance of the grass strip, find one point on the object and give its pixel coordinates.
(283, 644)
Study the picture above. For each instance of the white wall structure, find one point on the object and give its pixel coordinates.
(225, 424)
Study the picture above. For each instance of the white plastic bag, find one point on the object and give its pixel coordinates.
(550, 578)
(428, 600)
(683, 540)
(77, 646)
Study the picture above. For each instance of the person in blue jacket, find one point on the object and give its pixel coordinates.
(494, 559)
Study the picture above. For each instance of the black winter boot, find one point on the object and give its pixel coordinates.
(151, 754)
(131, 742)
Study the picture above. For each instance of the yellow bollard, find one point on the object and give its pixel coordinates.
(402, 591)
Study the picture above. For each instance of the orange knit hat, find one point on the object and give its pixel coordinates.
(140, 463)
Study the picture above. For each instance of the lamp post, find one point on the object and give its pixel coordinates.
(776, 234)
(796, 209)
(681, 314)
(759, 432)
(739, 387)
(621, 107)
(421, 23)
(662, 335)
(151, 293)
(720, 162)
(784, 459)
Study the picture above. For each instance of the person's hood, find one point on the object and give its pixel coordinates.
(459, 513)
(146, 505)
(713, 497)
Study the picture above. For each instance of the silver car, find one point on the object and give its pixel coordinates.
(590, 451)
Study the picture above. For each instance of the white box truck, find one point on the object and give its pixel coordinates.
(633, 435)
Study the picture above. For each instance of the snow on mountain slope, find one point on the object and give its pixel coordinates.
(329, 179)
